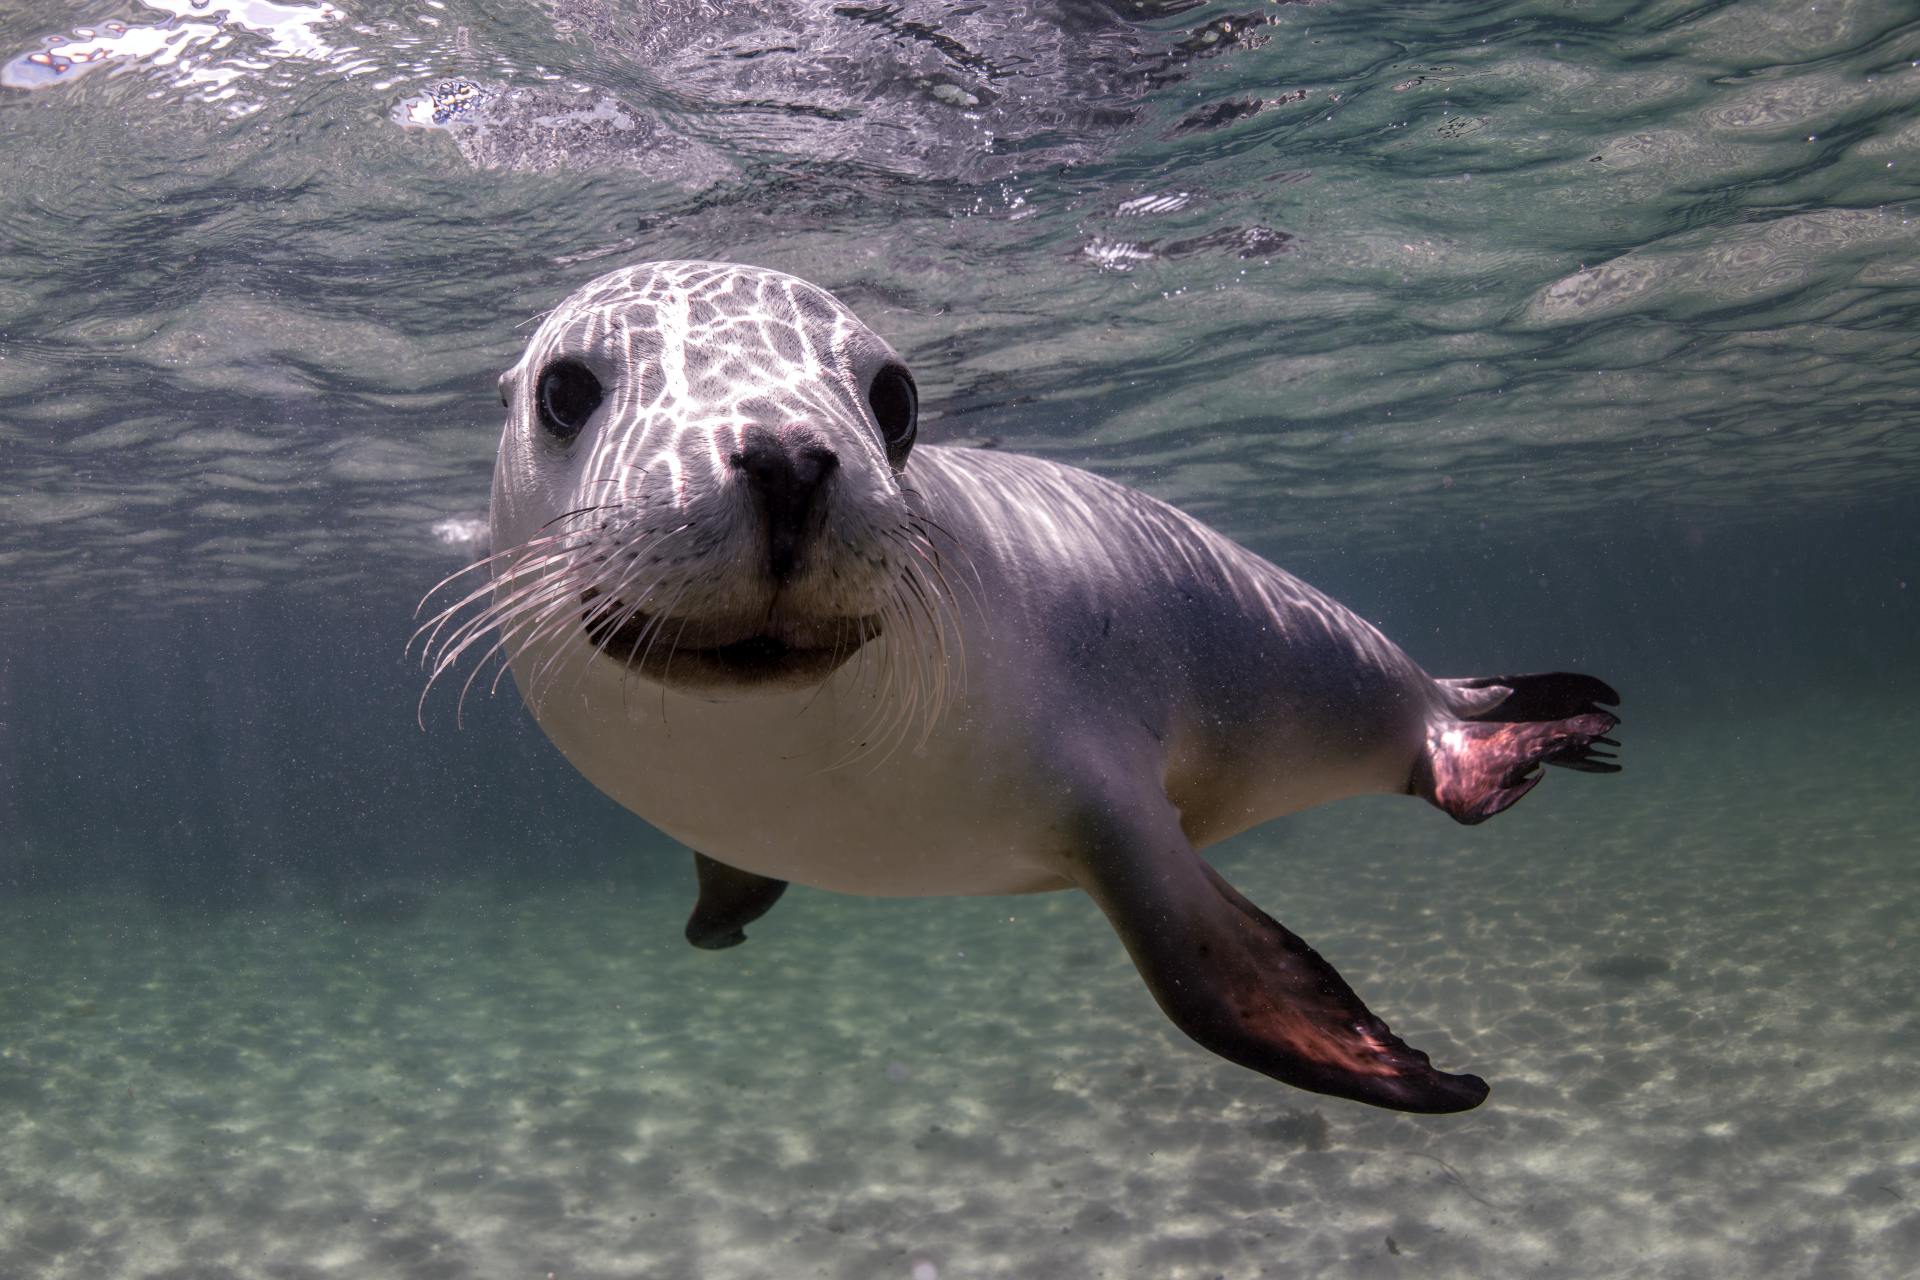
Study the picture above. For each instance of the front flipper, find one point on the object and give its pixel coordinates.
(1242, 985)
(730, 900)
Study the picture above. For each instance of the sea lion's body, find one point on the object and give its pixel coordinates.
(1227, 685)
(743, 605)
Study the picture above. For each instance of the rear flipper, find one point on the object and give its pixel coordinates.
(1487, 754)
(1242, 985)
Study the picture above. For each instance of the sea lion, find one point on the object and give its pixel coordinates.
(743, 603)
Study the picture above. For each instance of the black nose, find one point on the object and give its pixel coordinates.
(786, 471)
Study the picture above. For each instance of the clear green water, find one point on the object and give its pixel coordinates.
(1544, 335)
(1697, 1016)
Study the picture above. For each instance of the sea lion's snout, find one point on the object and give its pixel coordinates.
(786, 472)
(750, 591)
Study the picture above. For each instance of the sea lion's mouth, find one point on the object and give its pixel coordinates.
(704, 654)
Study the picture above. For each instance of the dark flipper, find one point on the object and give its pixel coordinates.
(1548, 695)
(730, 900)
(1487, 755)
(1242, 985)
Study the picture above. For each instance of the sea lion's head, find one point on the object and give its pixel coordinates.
(700, 481)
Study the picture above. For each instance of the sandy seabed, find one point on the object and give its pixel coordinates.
(1692, 987)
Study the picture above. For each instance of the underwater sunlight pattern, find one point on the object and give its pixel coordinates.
(1544, 337)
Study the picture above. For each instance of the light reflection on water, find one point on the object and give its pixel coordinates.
(194, 52)
(1321, 274)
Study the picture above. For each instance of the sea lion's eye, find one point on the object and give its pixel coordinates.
(896, 406)
(567, 396)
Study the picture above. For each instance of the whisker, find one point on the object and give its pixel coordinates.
(510, 597)
(440, 618)
(531, 600)
(549, 597)
(503, 595)
(548, 609)
(651, 636)
(444, 652)
(580, 511)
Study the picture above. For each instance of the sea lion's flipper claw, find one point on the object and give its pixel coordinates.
(1241, 984)
(730, 899)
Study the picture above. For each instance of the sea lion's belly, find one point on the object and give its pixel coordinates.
(773, 786)
(911, 832)
(801, 788)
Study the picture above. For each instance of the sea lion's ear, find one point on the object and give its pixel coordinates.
(1243, 985)
(506, 389)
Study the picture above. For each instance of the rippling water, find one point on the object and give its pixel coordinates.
(1550, 334)
(1324, 273)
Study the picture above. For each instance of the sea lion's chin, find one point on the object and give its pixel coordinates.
(719, 658)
